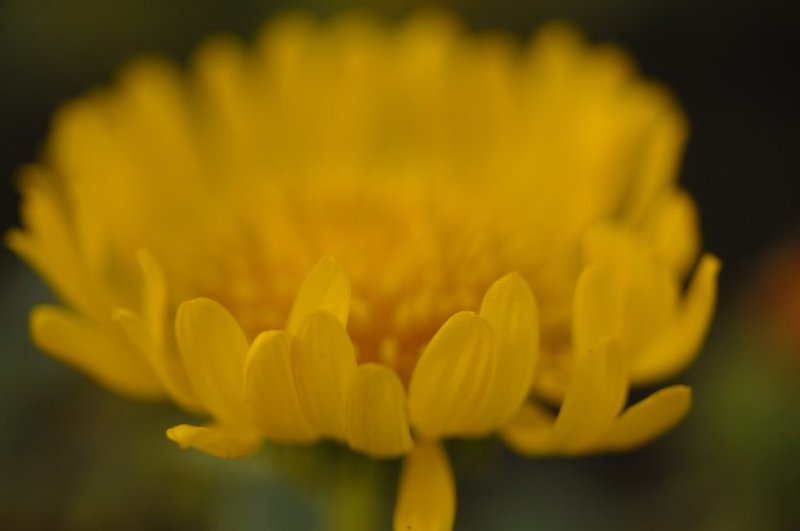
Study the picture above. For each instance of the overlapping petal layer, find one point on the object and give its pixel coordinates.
(510, 244)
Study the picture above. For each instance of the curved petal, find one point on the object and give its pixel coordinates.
(593, 399)
(647, 419)
(324, 361)
(510, 308)
(164, 364)
(147, 331)
(452, 377)
(671, 227)
(676, 348)
(377, 417)
(154, 295)
(49, 245)
(213, 349)
(214, 440)
(659, 163)
(597, 305)
(94, 348)
(426, 497)
(530, 431)
(325, 288)
(271, 392)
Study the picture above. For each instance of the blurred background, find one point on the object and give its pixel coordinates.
(75, 457)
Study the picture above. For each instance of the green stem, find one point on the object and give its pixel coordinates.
(356, 499)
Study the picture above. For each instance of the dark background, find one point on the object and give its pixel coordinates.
(73, 456)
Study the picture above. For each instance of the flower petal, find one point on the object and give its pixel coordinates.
(510, 309)
(213, 440)
(659, 162)
(164, 364)
(147, 331)
(377, 417)
(154, 295)
(530, 431)
(647, 419)
(325, 288)
(49, 245)
(671, 226)
(594, 397)
(324, 361)
(452, 377)
(678, 346)
(213, 349)
(94, 348)
(426, 498)
(270, 389)
(598, 305)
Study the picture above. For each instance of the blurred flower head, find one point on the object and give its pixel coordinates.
(381, 236)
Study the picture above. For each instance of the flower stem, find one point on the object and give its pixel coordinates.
(356, 500)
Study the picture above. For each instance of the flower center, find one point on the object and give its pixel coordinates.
(416, 251)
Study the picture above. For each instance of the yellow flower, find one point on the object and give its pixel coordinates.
(497, 233)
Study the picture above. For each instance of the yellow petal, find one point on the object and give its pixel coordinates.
(510, 308)
(377, 418)
(95, 348)
(270, 389)
(660, 160)
(426, 497)
(147, 331)
(324, 361)
(164, 364)
(651, 301)
(593, 399)
(648, 419)
(213, 349)
(325, 288)
(530, 431)
(678, 345)
(595, 396)
(452, 377)
(672, 228)
(49, 245)
(607, 241)
(154, 295)
(597, 307)
(213, 440)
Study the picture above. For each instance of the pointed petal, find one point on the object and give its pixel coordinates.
(154, 295)
(594, 397)
(213, 440)
(213, 349)
(648, 419)
(324, 361)
(165, 365)
(377, 417)
(270, 389)
(326, 288)
(659, 163)
(597, 306)
(510, 308)
(147, 331)
(530, 431)
(94, 348)
(49, 245)
(679, 345)
(672, 227)
(452, 377)
(426, 498)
